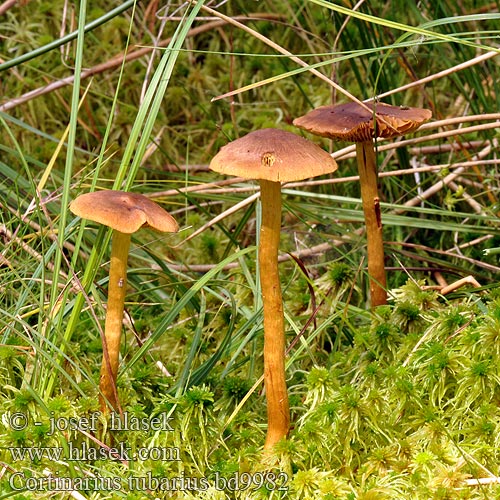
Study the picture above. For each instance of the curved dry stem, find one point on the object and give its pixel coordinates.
(117, 60)
(278, 412)
(114, 319)
(367, 168)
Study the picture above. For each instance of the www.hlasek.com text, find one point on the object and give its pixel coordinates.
(85, 453)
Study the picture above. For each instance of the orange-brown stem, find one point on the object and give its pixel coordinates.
(278, 412)
(114, 319)
(367, 168)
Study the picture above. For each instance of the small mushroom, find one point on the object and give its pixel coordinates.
(273, 156)
(352, 122)
(125, 213)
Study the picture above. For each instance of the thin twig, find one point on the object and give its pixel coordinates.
(441, 74)
(117, 61)
(420, 150)
(7, 5)
(348, 151)
(227, 186)
(12, 238)
(220, 217)
(416, 246)
(468, 199)
(443, 182)
(301, 254)
(285, 52)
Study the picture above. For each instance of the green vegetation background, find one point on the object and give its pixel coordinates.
(402, 402)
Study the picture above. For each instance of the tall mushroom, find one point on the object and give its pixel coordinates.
(352, 122)
(125, 213)
(273, 156)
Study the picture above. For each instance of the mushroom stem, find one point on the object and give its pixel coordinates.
(278, 413)
(117, 287)
(367, 168)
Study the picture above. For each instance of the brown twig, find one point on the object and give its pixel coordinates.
(302, 254)
(7, 5)
(117, 61)
(416, 246)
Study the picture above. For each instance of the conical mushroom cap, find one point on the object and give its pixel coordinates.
(351, 122)
(123, 211)
(273, 154)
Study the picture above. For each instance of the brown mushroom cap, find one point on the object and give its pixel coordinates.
(274, 155)
(123, 211)
(351, 122)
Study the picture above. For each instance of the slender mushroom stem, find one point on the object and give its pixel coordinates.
(117, 287)
(278, 412)
(367, 168)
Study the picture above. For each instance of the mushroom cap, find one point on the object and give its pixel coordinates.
(274, 155)
(123, 211)
(351, 122)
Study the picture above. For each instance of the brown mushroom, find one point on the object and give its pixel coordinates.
(125, 213)
(273, 156)
(352, 122)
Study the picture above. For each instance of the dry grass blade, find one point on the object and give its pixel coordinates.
(116, 61)
(349, 152)
(305, 253)
(468, 198)
(468, 260)
(6, 6)
(482, 481)
(283, 51)
(218, 218)
(441, 74)
(194, 315)
(198, 188)
(446, 180)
